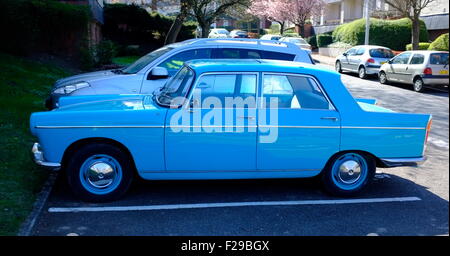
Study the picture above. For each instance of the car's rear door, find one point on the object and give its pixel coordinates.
(298, 127)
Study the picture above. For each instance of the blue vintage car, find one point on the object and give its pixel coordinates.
(228, 119)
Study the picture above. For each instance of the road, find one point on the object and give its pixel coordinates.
(421, 208)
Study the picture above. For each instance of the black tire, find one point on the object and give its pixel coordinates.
(338, 66)
(115, 163)
(362, 72)
(335, 185)
(418, 85)
(382, 77)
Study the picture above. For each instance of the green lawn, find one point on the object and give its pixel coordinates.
(24, 85)
(125, 60)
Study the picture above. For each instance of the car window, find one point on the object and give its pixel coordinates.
(352, 51)
(402, 58)
(360, 51)
(439, 58)
(227, 53)
(294, 92)
(381, 53)
(277, 56)
(417, 59)
(174, 63)
(224, 87)
(146, 59)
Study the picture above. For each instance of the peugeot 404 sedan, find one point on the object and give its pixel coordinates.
(228, 119)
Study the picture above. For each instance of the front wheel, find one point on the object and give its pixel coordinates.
(338, 67)
(99, 172)
(383, 78)
(348, 173)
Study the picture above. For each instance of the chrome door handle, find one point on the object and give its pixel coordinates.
(332, 118)
(247, 117)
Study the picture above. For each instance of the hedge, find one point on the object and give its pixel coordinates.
(440, 44)
(32, 26)
(312, 40)
(395, 34)
(422, 46)
(324, 39)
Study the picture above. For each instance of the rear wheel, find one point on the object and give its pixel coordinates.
(99, 172)
(383, 78)
(348, 173)
(418, 85)
(362, 72)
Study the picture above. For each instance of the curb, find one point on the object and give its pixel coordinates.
(28, 224)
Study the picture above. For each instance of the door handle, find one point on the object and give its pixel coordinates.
(247, 117)
(332, 118)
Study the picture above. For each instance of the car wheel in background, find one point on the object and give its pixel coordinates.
(99, 172)
(418, 85)
(346, 174)
(362, 72)
(383, 78)
(338, 66)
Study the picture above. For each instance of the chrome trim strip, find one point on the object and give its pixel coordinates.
(397, 162)
(295, 126)
(393, 128)
(104, 126)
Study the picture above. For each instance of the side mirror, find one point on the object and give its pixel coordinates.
(390, 61)
(158, 73)
(345, 54)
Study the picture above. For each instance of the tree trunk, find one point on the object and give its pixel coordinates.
(205, 29)
(282, 24)
(174, 30)
(415, 32)
(301, 29)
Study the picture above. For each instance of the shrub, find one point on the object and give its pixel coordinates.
(290, 34)
(312, 40)
(395, 34)
(105, 51)
(323, 40)
(440, 44)
(422, 46)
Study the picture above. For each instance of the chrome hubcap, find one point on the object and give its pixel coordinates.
(418, 85)
(349, 172)
(383, 77)
(100, 174)
(362, 72)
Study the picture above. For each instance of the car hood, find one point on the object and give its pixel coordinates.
(85, 77)
(111, 103)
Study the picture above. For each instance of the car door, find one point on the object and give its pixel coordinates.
(173, 63)
(355, 59)
(415, 66)
(217, 130)
(345, 63)
(397, 67)
(298, 127)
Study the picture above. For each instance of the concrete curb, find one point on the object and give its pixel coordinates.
(28, 224)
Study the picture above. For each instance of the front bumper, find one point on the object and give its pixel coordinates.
(39, 159)
(398, 162)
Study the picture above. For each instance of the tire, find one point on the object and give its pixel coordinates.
(338, 67)
(362, 72)
(111, 183)
(418, 85)
(383, 78)
(347, 174)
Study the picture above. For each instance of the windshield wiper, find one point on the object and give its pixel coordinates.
(119, 71)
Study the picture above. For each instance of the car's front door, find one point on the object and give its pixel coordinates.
(346, 57)
(217, 130)
(299, 128)
(173, 63)
(355, 59)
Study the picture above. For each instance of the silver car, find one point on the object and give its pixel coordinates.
(363, 59)
(419, 68)
(298, 41)
(152, 70)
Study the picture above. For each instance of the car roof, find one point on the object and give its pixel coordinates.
(238, 42)
(253, 65)
(372, 47)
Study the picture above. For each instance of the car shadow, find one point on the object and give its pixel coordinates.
(429, 216)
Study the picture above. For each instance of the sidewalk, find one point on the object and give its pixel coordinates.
(321, 59)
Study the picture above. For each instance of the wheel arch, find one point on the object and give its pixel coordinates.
(86, 141)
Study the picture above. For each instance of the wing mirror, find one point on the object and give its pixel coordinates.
(390, 61)
(158, 73)
(345, 54)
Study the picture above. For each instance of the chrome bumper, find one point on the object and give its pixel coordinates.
(38, 156)
(397, 162)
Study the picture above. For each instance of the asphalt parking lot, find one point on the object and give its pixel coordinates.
(400, 201)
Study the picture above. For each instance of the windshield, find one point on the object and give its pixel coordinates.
(175, 90)
(298, 41)
(381, 53)
(145, 60)
(439, 58)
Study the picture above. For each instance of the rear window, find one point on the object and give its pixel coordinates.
(439, 58)
(381, 53)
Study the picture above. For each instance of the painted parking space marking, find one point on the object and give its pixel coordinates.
(230, 204)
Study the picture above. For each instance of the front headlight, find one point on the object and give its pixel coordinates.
(71, 88)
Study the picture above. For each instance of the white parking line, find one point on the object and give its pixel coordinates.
(438, 142)
(231, 204)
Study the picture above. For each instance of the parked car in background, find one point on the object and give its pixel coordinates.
(320, 129)
(219, 33)
(271, 37)
(238, 34)
(363, 59)
(300, 42)
(145, 75)
(419, 68)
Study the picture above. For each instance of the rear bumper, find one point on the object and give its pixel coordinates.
(372, 69)
(39, 159)
(435, 81)
(397, 162)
